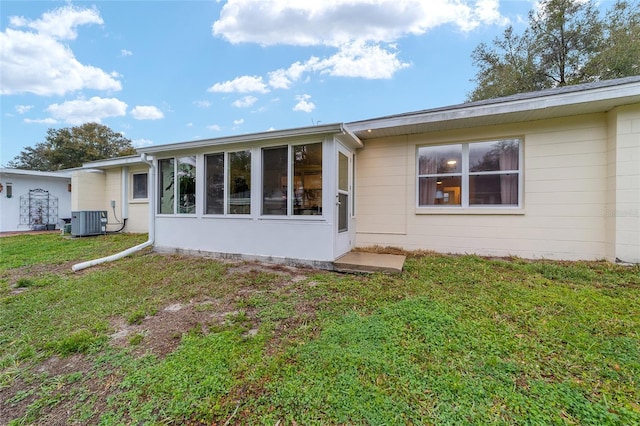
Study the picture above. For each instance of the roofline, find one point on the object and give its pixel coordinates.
(112, 162)
(569, 95)
(255, 137)
(23, 172)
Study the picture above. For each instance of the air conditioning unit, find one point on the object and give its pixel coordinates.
(88, 222)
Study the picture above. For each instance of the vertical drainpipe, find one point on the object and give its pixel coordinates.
(125, 193)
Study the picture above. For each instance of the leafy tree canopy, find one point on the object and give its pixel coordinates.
(566, 42)
(70, 147)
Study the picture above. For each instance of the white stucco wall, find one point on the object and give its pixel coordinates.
(563, 215)
(10, 217)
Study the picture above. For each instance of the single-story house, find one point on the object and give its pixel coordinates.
(552, 174)
(33, 200)
(118, 186)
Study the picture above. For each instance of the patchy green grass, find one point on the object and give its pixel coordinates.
(452, 340)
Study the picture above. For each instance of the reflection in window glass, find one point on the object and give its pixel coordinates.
(491, 174)
(187, 185)
(239, 198)
(214, 202)
(493, 156)
(436, 191)
(496, 189)
(440, 159)
(139, 186)
(165, 186)
(307, 177)
(275, 169)
(343, 172)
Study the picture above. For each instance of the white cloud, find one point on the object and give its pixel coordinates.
(146, 113)
(22, 109)
(202, 104)
(214, 127)
(36, 61)
(189, 124)
(238, 122)
(304, 104)
(125, 52)
(40, 121)
(245, 102)
(331, 22)
(93, 110)
(243, 84)
(139, 143)
(60, 23)
(361, 60)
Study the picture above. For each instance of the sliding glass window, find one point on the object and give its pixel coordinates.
(292, 180)
(239, 183)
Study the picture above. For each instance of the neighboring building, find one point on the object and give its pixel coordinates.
(118, 186)
(33, 200)
(552, 174)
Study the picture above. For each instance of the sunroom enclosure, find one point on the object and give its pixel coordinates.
(278, 196)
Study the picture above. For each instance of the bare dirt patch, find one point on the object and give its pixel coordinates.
(81, 388)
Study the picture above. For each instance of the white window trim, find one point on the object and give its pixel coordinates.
(175, 188)
(464, 207)
(131, 189)
(225, 192)
(290, 171)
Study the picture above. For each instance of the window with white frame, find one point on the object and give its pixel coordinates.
(177, 185)
(228, 183)
(292, 180)
(474, 174)
(139, 186)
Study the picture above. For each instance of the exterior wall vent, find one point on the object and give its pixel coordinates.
(88, 222)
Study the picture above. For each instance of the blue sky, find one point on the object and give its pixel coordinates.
(169, 71)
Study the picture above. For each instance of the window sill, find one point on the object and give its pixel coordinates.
(471, 211)
(304, 218)
(139, 201)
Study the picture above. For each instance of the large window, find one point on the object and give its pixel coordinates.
(292, 180)
(177, 185)
(470, 175)
(234, 197)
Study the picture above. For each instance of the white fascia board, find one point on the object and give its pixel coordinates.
(35, 173)
(247, 138)
(625, 93)
(113, 162)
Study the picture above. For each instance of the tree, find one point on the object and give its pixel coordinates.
(566, 42)
(71, 147)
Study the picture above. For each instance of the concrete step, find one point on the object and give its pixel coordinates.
(369, 262)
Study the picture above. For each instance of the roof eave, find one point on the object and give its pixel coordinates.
(246, 138)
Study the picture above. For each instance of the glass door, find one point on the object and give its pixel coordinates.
(344, 225)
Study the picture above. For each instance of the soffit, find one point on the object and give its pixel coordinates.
(554, 103)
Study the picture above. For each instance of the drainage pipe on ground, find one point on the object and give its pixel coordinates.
(152, 225)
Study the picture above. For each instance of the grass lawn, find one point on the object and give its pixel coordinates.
(158, 339)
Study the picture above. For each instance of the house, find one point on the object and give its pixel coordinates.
(552, 174)
(33, 200)
(118, 186)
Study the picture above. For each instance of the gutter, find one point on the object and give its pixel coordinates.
(152, 226)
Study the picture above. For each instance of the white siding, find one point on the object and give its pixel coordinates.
(564, 203)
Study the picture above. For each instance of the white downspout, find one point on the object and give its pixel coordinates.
(125, 193)
(152, 225)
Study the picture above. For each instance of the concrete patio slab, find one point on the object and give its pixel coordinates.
(369, 262)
